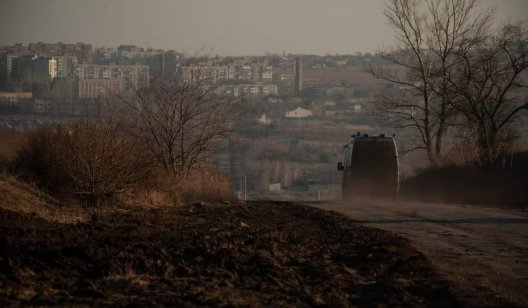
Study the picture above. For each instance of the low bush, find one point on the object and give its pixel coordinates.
(96, 161)
(89, 161)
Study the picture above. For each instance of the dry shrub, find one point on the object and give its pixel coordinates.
(36, 161)
(201, 185)
(204, 185)
(89, 161)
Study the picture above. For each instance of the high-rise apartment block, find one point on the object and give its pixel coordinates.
(256, 89)
(102, 80)
(52, 68)
(67, 66)
(64, 59)
(81, 51)
(40, 68)
(236, 72)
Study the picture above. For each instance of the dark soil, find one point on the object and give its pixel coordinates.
(258, 254)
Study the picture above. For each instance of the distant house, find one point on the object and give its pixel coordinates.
(41, 106)
(285, 77)
(274, 101)
(275, 187)
(14, 98)
(264, 120)
(299, 112)
(329, 103)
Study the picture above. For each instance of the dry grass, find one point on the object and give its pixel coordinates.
(24, 198)
(18, 196)
(200, 186)
(10, 142)
(205, 186)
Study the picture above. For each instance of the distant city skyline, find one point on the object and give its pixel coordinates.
(224, 27)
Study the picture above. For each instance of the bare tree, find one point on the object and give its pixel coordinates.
(428, 32)
(183, 120)
(488, 83)
(452, 25)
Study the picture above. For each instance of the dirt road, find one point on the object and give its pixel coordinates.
(482, 250)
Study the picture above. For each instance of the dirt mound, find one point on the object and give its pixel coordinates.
(252, 254)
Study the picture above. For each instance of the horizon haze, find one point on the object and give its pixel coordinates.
(229, 27)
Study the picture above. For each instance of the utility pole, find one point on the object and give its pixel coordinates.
(245, 189)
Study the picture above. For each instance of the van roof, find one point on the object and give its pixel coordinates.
(378, 138)
(373, 138)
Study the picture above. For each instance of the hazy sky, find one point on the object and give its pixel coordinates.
(225, 27)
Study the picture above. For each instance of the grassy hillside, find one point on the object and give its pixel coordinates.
(21, 197)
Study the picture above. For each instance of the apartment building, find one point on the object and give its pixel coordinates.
(40, 67)
(66, 56)
(238, 71)
(66, 66)
(52, 68)
(82, 52)
(257, 89)
(102, 80)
